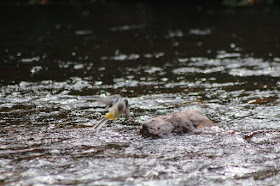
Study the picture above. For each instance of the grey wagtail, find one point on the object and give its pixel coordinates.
(117, 105)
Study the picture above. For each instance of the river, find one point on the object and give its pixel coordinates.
(56, 60)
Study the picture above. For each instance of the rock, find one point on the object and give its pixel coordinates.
(177, 122)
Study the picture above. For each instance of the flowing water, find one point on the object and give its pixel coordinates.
(55, 61)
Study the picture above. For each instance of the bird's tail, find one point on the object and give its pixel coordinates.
(97, 126)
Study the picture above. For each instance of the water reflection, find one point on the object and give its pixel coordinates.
(51, 77)
(200, 32)
(126, 27)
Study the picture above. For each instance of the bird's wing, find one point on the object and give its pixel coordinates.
(109, 101)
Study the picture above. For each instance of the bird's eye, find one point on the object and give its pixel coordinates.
(120, 107)
(126, 102)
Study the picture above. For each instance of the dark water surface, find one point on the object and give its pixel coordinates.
(55, 61)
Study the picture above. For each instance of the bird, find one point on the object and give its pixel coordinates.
(116, 106)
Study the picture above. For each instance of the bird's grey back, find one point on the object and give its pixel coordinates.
(109, 101)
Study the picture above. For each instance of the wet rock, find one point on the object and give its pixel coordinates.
(177, 122)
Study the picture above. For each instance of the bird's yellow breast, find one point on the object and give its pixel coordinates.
(109, 115)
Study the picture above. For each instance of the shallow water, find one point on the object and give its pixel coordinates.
(225, 62)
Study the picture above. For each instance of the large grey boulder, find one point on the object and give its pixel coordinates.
(177, 122)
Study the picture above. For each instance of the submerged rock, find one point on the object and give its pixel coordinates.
(177, 122)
